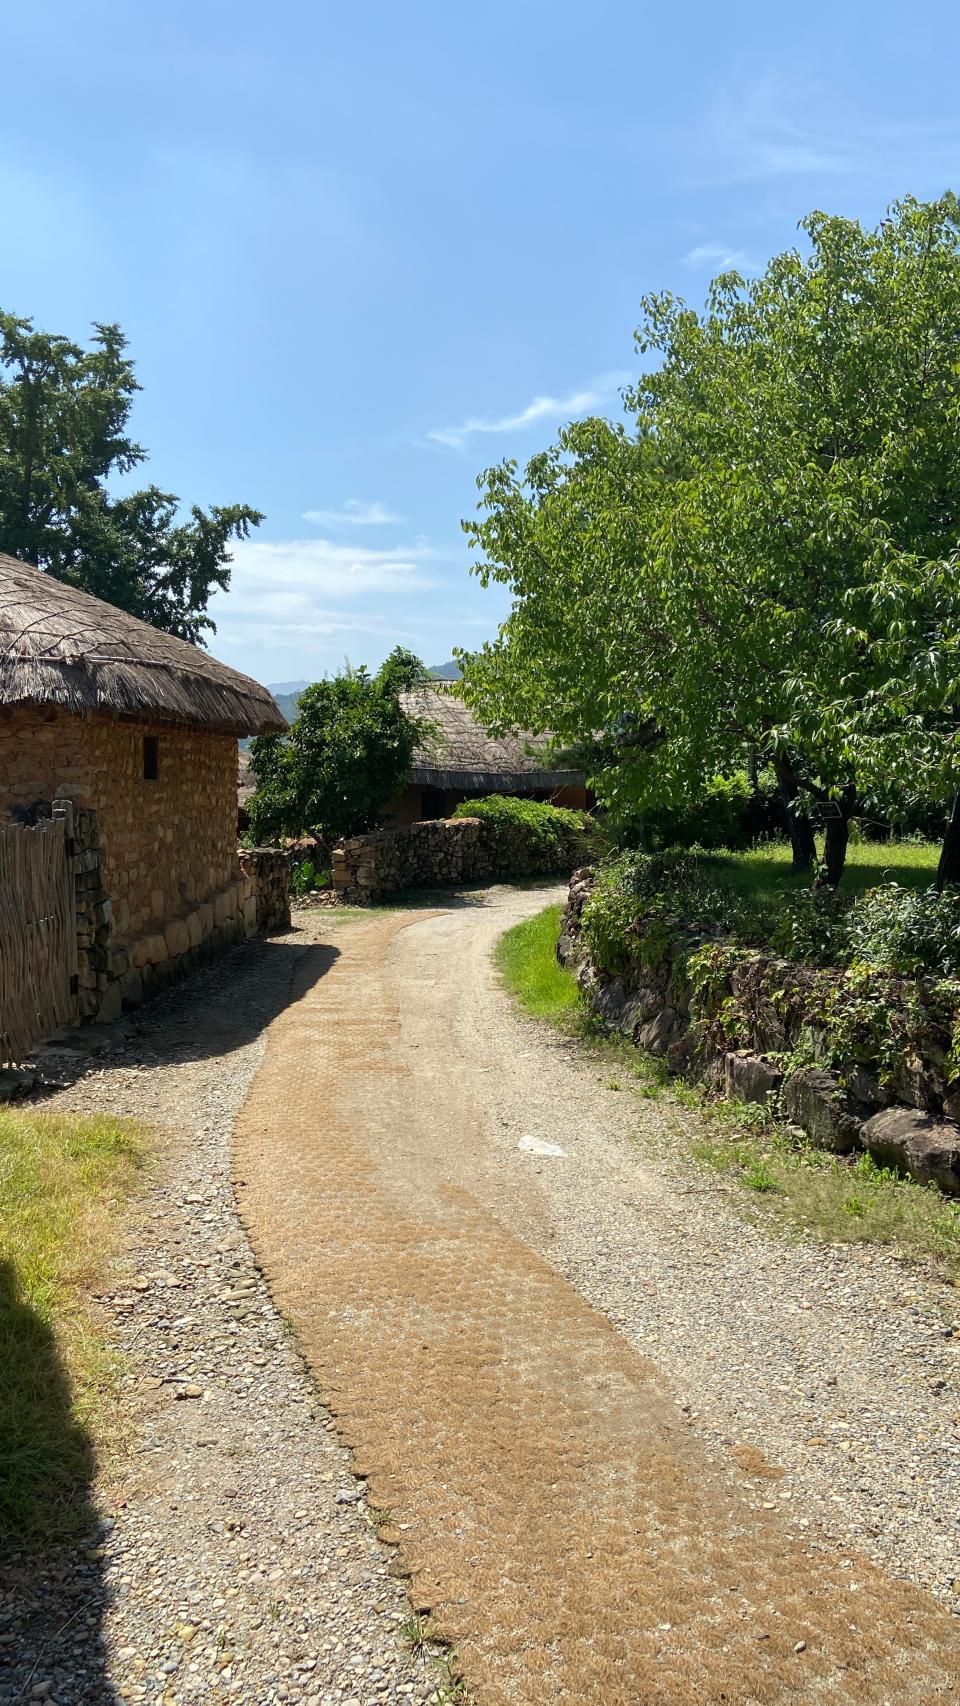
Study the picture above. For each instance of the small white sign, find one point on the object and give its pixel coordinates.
(538, 1146)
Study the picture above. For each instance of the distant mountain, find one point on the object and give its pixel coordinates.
(287, 699)
(445, 671)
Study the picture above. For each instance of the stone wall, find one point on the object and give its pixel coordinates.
(269, 870)
(858, 1061)
(166, 844)
(159, 884)
(438, 853)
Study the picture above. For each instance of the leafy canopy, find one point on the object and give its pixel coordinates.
(63, 443)
(347, 753)
(766, 559)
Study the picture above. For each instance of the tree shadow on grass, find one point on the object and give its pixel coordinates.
(52, 1594)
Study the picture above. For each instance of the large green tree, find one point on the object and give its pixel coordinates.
(346, 754)
(762, 562)
(64, 442)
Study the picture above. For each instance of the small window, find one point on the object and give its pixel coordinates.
(151, 757)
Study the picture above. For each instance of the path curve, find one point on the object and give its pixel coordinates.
(568, 1525)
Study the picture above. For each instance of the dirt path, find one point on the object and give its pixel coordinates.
(572, 1530)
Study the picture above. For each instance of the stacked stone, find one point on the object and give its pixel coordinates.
(909, 1119)
(269, 870)
(95, 972)
(438, 853)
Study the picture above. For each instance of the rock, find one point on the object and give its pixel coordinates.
(14, 1082)
(750, 1078)
(866, 1090)
(951, 1103)
(919, 1085)
(815, 1100)
(925, 1148)
(663, 1031)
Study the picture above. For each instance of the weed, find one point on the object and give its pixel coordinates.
(420, 1634)
(63, 1179)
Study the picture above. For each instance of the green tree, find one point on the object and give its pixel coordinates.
(755, 566)
(63, 441)
(347, 753)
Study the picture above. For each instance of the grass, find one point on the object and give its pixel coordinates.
(63, 1179)
(526, 956)
(765, 872)
(801, 1188)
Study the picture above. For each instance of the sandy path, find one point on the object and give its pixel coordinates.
(570, 1529)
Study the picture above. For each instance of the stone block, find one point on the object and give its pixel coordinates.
(663, 1031)
(110, 1004)
(177, 938)
(813, 1099)
(250, 915)
(926, 1149)
(750, 1078)
(222, 906)
(194, 928)
(148, 951)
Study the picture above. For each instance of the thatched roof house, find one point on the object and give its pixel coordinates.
(140, 730)
(458, 760)
(60, 647)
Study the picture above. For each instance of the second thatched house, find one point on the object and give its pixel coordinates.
(139, 731)
(457, 760)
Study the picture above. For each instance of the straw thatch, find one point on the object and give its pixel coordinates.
(60, 647)
(457, 753)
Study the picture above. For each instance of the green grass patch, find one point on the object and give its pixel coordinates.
(527, 958)
(63, 1182)
(766, 872)
(831, 1197)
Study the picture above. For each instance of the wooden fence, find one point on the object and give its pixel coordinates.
(38, 933)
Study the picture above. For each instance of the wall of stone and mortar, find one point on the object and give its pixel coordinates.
(160, 884)
(904, 1112)
(438, 853)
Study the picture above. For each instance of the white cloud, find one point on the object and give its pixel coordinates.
(291, 593)
(294, 573)
(719, 257)
(601, 391)
(354, 513)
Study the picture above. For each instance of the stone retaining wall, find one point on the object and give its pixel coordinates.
(438, 853)
(760, 1029)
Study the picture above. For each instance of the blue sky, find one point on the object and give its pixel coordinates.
(363, 251)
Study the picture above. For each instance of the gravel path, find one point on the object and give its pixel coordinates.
(839, 1363)
(234, 1558)
(424, 1172)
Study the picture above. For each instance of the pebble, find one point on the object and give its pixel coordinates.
(231, 1547)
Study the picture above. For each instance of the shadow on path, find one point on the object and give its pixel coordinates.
(52, 1593)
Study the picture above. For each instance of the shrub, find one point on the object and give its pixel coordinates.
(729, 812)
(906, 930)
(553, 836)
(640, 898)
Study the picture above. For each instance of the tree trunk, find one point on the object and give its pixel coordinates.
(948, 870)
(836, 834)
(798, 824)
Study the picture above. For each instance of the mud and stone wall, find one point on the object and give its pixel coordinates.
(858, 1062)
(438, 853)
(159, 883)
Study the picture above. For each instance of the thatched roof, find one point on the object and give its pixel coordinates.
(458, 753)
(60, 647)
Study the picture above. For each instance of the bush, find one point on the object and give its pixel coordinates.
(729, 812)
(554, 836)
(639, 898)
(906, 930)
